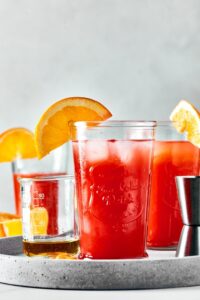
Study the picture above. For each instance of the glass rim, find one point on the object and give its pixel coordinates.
(165, 123)
(47, 178)
(114, 123)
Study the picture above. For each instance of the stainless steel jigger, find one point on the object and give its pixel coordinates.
(189, 199)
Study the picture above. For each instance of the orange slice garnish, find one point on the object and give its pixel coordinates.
(39, 221)
(186, 118)
(53, 128)
(10, 225)
(16, 142)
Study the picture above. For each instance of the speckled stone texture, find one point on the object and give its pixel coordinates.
(97, 274)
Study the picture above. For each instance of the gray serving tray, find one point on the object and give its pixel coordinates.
(159, 270)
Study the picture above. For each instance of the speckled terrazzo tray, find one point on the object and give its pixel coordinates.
(160, 270)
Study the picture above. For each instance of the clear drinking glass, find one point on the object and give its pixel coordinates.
(112, 171)
(56, 163)
(49, 216)
(173, 156)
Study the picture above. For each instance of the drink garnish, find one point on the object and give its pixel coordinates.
(16, 142)
(186, 118)
(53, 129)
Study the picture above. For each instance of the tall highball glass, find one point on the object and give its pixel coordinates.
(113, 162)
(173, 156)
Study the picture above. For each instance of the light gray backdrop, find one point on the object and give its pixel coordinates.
(139, 57)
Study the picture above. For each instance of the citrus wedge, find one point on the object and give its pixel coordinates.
(186, 118)
(52, 129)
(39, 221)
(10, 225)
(16, 142)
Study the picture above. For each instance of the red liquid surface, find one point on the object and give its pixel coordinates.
(113, 187)
(44, 194)
(171, 158)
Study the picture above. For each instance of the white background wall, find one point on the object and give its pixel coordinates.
(138, 57)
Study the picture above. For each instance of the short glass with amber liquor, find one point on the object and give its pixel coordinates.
(49, 216)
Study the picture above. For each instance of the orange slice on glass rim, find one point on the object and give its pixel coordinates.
(53, 130)
(186, 118)
(16, 142)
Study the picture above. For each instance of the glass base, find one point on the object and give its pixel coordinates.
(167, 248)
(85, 256)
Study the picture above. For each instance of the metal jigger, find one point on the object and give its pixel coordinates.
(189, 199)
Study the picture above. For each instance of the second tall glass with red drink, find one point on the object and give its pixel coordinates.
(173, 156)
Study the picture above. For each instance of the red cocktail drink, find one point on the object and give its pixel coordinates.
(171, 158)
(112, 178)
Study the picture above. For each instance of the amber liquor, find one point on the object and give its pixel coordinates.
(51, 248)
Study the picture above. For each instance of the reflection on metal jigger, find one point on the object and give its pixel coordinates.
(189, 199)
